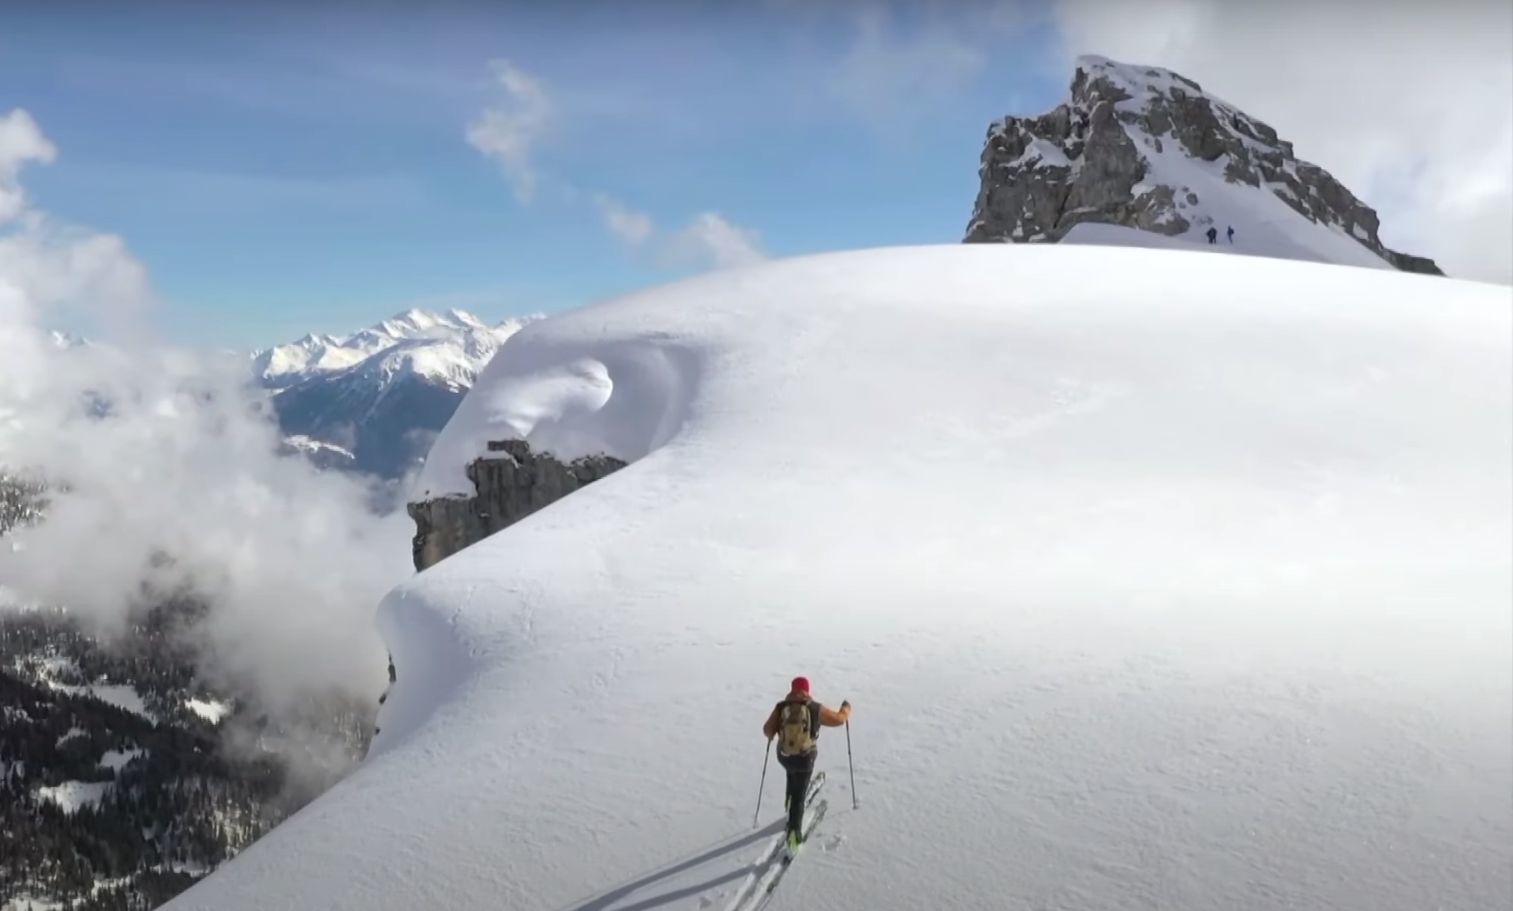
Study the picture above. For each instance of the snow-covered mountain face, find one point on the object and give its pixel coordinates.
(458, 339)
(1147, 149)
(373, 401)
(1148, 593)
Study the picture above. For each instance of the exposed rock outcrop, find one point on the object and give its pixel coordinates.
(1146, 148)
(510, 486)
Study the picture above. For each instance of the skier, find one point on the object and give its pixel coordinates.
(1213, 234)
(1231, 233)
(796, 723)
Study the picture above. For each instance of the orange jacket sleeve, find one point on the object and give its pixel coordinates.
(770, 727)
(833, 719)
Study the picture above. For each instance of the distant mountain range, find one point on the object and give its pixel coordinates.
(373, 401)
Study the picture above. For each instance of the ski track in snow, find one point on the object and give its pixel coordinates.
(1149, 592)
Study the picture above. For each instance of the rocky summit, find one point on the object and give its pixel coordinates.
(1144, 148)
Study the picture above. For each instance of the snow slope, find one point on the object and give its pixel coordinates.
(116, 760)
(120, 695)
(1148, 595)
(212, 710)
(71, 796)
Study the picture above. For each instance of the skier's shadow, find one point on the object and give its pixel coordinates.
(607, 901)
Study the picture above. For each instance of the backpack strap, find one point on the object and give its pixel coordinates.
(809, 704)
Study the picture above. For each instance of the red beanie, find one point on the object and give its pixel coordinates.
(801, 684)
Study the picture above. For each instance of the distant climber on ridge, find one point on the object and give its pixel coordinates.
(1213, 235)
(1231, 233)
(796, 723)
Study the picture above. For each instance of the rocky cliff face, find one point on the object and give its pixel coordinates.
(510, 486)
(1145, 148)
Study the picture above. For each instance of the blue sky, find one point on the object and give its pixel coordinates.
(283, 170)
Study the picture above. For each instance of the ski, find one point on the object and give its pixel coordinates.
(780, 843)
(814, 788)
(765, 895)
(772, 854)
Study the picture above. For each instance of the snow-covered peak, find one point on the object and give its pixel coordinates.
(1135, 78)
(375, 398)
(462, 317)
(458, 337)
(414, 323)
(453, 361)
(451, 351)
(1147, 149)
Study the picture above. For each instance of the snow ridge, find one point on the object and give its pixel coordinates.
(1187, 595)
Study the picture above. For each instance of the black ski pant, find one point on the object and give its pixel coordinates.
(800, 769)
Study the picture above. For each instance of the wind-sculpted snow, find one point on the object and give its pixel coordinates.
(569, 396)
(1148, 594)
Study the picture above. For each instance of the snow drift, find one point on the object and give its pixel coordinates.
(1147, 595)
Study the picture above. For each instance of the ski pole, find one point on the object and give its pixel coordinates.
(850, 763)
(761, 787)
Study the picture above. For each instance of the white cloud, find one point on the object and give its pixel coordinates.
(509, 131)
(893, 68)
(1409, 104)
(889, 69)
(709, 240)
(712, 240)
(20, 142)
(631, 226)
(184, 464)
(50, 267)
